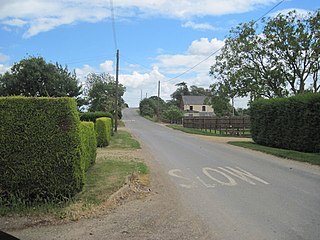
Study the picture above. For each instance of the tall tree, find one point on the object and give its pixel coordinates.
(100, 89)
(34, 77)
(273, 63)
(182, 90)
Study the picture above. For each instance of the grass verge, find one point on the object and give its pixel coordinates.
(313, 158)
(202, 132)
(109, 173)
(123, 140)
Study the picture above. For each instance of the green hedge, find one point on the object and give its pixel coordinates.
(103, 129)
(88, 144)
(290, 123)
(92, 116)
(39, 149)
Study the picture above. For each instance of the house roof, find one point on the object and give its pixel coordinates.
(193, 100)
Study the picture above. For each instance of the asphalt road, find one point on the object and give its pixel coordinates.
(239, 194)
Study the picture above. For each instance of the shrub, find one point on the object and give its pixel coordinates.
(39, 149)
(88, 144)
(92, 116)
(103, 131)
(289, 123)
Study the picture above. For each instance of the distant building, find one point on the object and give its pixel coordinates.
(195, 106)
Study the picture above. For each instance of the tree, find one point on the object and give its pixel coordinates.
(219, 99)
(173, 114)
(34, 77)
(101, 89)
(198, 91)
(182, 90)
(147, 107)
(273, 63)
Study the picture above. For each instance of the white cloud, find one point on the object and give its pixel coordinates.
(107, 66)
(16, 22)
(44, 15)
(84, 71)
(205, 47)
(4, 68)
(198, 26)
(3, 57)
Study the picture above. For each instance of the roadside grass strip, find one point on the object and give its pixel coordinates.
(123, 140)
(313, 158)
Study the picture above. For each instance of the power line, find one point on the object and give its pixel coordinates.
(193, 67)
(113, 25)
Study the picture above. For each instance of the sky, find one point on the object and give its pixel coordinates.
(158, 40)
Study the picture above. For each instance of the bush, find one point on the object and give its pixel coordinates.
(103, 131)
(289, 123)
(39, 149)
(92, 116)
(88, 144)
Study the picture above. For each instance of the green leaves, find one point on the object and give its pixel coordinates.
(36, 78)
(289, 123)
(276, 61)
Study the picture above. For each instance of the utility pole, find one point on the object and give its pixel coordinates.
(158, 100)
(117, 93)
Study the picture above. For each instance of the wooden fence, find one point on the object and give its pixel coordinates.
(224, 125)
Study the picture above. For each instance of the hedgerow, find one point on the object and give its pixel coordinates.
(290, 123)
(103, 129)
(40, 149)
(88, 144)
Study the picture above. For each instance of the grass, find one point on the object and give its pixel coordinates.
(313, 158)
(103, 179)
(202, 132)
(123, 140)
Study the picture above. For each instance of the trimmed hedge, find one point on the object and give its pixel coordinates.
(103, 129)
(92, 116)
(40, 154)
(290, 123)
(88, 144)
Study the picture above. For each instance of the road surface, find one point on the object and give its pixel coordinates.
(238, 193)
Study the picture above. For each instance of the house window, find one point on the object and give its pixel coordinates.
(203, 108)
(191, 108)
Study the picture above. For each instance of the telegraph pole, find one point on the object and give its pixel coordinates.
(117, 93)
(158, 100)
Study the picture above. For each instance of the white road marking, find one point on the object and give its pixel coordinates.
(243, 175)
(205, 184)
(173, 173)
(231, 181)
(211, 173)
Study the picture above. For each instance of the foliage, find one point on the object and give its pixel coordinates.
(182, 90)
(34, 77)
(101, 90)
(289, 123)
(273, 63)
(103, 129)
(39, 150)
(313, 158)
(220, 100)
(88, 144)
(172, 114)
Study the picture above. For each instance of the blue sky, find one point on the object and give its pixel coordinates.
(158, 39)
